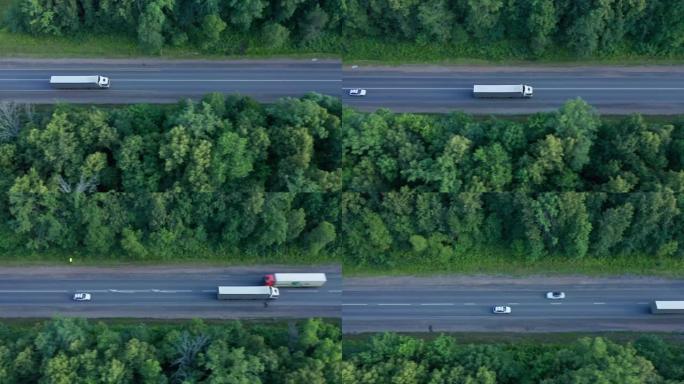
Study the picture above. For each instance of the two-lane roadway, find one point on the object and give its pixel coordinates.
(612, 90)
(465, 304)
(160, 81)
(159, 293)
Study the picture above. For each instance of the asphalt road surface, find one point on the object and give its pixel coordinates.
(159, 293)
(134, 81)
(465, 305)
(613, 90)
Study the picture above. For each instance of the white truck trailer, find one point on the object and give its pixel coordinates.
(79, 82)
(248, 293)
(663, 306)
(502, 91)
(295, 279)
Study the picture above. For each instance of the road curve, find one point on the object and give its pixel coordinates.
(612, 90)
(160, 81)
(465, 305)
(144, 292)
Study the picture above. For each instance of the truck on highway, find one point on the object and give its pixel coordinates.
(79, 82)
(248, 293)
(502, 91)
(295, 279)
(663, 306)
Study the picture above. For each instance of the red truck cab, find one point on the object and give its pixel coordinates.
(269, 280)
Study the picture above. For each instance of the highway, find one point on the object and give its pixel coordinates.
(461, 304)
(159, 81)
(612, 90)
(166, 293)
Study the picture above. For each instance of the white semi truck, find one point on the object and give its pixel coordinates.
(79, 82)
(248, 293)
(295, 279)
(502, 91)
(664, 306)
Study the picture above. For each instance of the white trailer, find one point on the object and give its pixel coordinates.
(79, 82)
(248, 293)
(295, 279)
(662, 306)
(502, 91)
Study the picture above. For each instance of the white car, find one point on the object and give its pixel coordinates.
(501, 309)
(555, 295)
(82, 296)
(357, 92)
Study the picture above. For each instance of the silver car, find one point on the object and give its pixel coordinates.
(82, 296)
(501, 309)
(555, 295)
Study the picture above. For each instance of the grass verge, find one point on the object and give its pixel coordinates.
(504, 262)
(356, 342)
(201, 258)
(116, 46)
(360, 50)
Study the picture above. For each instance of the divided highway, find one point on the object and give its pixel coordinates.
(462, 304)
(158, 81)
(159, 293)
(612, 90)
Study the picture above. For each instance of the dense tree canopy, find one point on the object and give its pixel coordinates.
(390, 358)
(214, 26)
(568, 150)
(530, 28)
(75, 351)
(526, 28)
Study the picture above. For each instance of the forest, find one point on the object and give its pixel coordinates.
(391, 358)
(79, 351)
(516, 29)
(231, 179)
(212, 26)
(476, 28)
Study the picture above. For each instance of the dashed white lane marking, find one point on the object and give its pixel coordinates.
(536, 88)
(300, 290)
(335, 291)
(205, 80)
(512, 303)
(437, 304)
(353, 305)
(35, 291)
(394, 305)
(599, 303)
(469, 304)
(555, 303)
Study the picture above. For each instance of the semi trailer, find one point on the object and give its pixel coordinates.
(79, 82)
(295, 279)
(664, 306)
(248, 293)
(502, 91)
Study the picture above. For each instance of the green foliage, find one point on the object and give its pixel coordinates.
(495, 29)
(390, 358)
(224, 27)
(74, 351)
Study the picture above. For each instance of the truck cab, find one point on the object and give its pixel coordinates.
(527, 91)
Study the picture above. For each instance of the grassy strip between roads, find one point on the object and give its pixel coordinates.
(502, 262)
